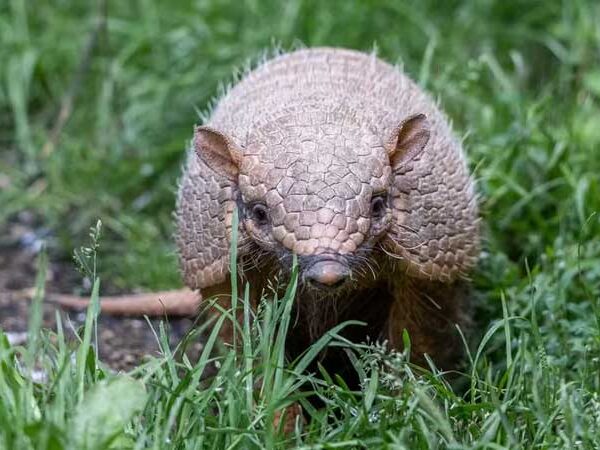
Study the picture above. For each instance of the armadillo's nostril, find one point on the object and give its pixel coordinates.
(327, 274)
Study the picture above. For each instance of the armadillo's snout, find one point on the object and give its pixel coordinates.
(327, 274)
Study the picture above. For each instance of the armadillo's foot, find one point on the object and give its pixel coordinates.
(168, 303)
(288, 418)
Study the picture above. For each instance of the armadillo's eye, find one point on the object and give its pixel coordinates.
(378, 206)
(259, 213)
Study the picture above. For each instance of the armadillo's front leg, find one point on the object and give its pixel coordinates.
(430, 311)
(217, 301)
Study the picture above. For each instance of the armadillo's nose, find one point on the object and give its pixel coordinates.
(327, 274)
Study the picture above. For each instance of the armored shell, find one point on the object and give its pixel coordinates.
(313, 129)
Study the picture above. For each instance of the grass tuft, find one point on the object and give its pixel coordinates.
(520, 82)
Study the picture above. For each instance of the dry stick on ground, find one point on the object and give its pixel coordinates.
(172, 303)
(183, 302)
(66, 105)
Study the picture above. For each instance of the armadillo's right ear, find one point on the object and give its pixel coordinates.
(218, 151)
(408, 140)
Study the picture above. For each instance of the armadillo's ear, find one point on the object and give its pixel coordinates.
(218, 151)
(408, 140)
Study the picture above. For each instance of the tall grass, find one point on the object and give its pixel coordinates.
(520, 81)
(229, 397)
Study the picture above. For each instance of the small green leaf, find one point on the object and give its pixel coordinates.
(105, 410)
(371, 389)
(591, 81)
(406, 342)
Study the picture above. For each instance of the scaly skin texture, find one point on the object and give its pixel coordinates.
(312, 126)
(313, 137)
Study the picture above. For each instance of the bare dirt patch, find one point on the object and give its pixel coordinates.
(123, 342)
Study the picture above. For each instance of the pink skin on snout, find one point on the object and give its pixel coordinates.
(329, 273)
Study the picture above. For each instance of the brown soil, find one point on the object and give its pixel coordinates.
(122, 342)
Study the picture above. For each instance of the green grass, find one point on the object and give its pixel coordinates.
(521, 82)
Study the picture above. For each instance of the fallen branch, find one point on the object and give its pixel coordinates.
(168, 303)
(180, 303)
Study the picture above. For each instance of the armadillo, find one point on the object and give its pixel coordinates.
(340, 159)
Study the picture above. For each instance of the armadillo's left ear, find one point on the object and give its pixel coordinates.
(218, 151)
(408, 140)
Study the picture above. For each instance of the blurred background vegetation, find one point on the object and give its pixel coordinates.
(519, 79)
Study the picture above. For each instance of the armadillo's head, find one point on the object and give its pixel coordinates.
(318, 191)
